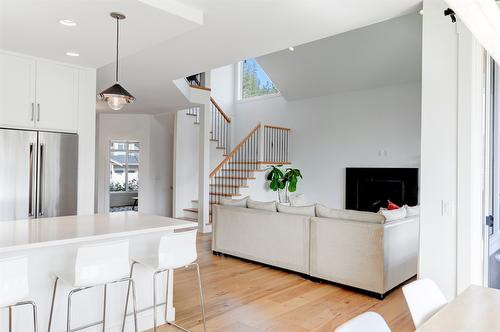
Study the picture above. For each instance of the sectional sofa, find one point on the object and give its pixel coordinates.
(358, 249)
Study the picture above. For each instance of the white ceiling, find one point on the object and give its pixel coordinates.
(167, 45)
(382, 54)
(235, 30)
(31, 27)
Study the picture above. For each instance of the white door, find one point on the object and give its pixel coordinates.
(57, 97)
(17, 91)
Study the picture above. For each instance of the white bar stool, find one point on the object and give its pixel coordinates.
(96, 265)
(176, 250)
(14, 287)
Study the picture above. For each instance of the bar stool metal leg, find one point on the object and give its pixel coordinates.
(10, 319)
(35, 314)
(52, 303)
(68, 315)
(154, 300)
(201, 300)
(128, 295)
(104, 309)
(201, 297)
(134, 303)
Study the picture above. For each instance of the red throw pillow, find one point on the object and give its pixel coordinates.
(391, 206)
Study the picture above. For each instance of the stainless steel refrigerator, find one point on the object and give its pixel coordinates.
(38, 174)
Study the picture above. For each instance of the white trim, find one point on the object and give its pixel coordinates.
(470, 157)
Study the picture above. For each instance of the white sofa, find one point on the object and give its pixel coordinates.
(371, 256)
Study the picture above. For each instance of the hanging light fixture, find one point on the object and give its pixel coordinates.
(116, 96)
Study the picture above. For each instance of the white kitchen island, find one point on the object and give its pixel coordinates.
(50, 245)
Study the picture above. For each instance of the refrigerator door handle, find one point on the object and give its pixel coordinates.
(41, 171)
(31, 180)
(38, 114)
(32, 111)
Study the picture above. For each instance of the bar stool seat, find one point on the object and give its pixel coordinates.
(14, 288)
(96, 265)
(175, 250)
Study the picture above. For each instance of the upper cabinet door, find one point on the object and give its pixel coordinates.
(17, 91)
(57, 97)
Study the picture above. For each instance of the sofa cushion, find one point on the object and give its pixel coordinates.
(266, 206)
(298, 200)
(326, 212)
(242, 202)
(393, 214)
(302, 210)
(412, 210)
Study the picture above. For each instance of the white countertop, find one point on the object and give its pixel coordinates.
(46, 232)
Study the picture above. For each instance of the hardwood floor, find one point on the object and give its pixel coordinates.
(241, 296)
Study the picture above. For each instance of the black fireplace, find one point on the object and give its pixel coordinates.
(368, 189)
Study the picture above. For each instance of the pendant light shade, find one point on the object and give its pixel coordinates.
(116, 96)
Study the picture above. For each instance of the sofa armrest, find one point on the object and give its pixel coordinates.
(400, 251)
(348, 252)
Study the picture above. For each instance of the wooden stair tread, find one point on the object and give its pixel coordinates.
(224, 194)
(194, 210)
(228, 185)
(235, 177)
(187, 219)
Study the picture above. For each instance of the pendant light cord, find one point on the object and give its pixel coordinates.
(117, 42)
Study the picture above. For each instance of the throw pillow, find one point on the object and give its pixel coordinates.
(267, 206)
(392, 206)
(412, 210)
(302, 210)
(393, 214)
(326, 212)
(242, 202)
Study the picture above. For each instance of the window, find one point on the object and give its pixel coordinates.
(253, 80)
(124, 166)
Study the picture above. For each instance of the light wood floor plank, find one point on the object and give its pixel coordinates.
(241, 296)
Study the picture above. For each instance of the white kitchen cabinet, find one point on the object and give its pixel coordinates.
(56, 97)
(17, 91)
(38, 94)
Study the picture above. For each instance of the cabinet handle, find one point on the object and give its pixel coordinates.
(32, 111)
(38, 114)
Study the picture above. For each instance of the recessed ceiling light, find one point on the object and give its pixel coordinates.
(291, 48)
(68, 23)
(72, 54)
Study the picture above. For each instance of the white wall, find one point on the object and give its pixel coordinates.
(452, 153)
(186, 162)
(155, 134)
(370, 128)
(439, 148)
(223, 87)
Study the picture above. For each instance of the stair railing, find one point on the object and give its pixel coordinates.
(233, 171)
(221, 126)
(262, 145)
(276, 144)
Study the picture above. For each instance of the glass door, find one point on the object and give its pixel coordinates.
(492, 188)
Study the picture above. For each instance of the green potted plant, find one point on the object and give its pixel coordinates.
(283, 181)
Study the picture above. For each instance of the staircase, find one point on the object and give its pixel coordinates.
(264, 145)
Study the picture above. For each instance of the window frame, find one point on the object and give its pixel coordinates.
(127, 151)
(239, 85)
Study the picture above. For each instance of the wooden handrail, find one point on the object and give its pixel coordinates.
(228, 119)
(276, 127)
(200, 87)
(233, 152)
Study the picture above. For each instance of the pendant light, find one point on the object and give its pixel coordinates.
(116, 96)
